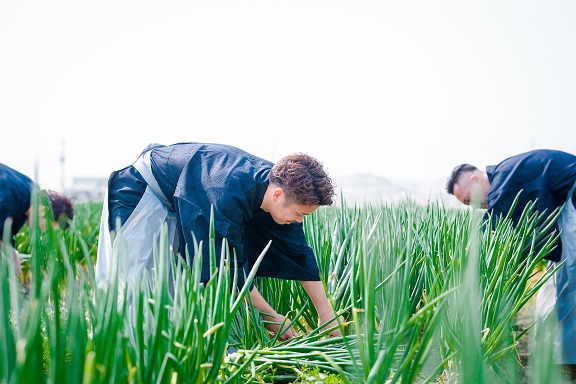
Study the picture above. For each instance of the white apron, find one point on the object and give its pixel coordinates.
(131, 251)
(558, 295)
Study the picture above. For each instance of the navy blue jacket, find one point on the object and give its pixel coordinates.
(195, 177)
(15, 199)
(544, 176)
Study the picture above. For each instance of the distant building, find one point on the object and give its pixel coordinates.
(87, 189)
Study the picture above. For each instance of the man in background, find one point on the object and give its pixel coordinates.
(16, 203)
(548, 178)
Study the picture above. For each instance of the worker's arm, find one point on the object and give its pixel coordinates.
(315, 290)
(17, 264)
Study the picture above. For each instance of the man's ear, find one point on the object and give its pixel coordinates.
(474, 178)
(277, 193)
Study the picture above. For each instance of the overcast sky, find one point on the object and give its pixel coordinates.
(398, 89)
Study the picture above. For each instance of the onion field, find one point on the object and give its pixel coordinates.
(428, 296)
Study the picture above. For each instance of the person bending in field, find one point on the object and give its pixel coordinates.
(254, 201)
(16, 203)
(548, 178)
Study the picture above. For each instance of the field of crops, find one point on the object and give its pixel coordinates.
(426, 293)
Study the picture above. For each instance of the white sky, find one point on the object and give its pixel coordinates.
(399, 89)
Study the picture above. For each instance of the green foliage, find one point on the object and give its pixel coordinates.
(316, 376)
(427, 294)
(80, 240)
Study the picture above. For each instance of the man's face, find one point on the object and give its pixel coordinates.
(42, 219)
(472, 190)
(283, 212)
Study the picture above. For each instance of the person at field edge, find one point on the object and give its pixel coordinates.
(253, 200)
(16, 203)
(548, 178)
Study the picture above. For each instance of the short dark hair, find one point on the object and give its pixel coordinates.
(456, 174)
(303, 179)
(62, 208)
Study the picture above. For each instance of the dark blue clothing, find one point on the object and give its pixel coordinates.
(544, 176)
(194, 177)
(15, 199)
(125, 188)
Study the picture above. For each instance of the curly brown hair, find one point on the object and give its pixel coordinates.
(303, 179)
(62, 207)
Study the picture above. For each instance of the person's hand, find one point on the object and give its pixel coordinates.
(273, 325)
(315, 290)
(273, 320)
(334, 323)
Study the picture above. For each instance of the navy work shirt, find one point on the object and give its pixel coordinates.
(194, 177)
(15, 199)
(544, 176)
